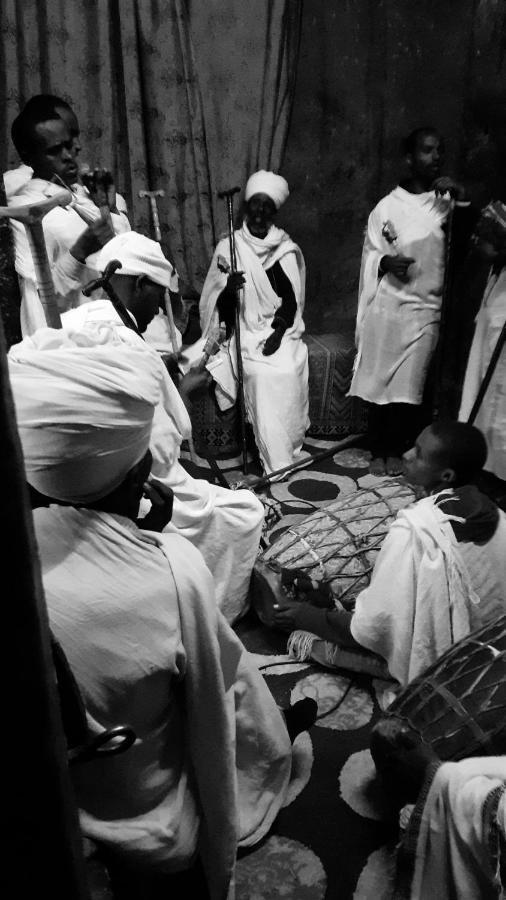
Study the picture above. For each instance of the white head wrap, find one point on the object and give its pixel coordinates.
(84, 406)
(138, 255)
(262, 182)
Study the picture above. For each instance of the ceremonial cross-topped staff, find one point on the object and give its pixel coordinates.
(152, 197)
(31, 216)
(228, 196)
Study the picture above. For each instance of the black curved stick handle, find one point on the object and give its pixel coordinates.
(103, 281)
(109, 743)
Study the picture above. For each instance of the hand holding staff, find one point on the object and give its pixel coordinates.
(31, 216)
(228, 195)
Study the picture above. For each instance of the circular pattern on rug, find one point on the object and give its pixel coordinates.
(352, 458)
(343, 705)
(319, 491)
(377, 878)
(359, 787)
(302, 766)
(281, 867)
(282, 489)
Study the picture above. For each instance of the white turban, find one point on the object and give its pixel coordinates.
(84, 406)
(262, 182)
(138, 255)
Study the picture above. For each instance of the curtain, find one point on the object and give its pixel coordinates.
(133, 71)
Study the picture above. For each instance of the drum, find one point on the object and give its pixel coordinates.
(458, 705)
(336, 546)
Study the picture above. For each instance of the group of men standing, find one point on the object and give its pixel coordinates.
(169, 557)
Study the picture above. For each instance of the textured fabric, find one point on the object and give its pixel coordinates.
(331, 411)
(84, 407)
(491, 418)
(398, 324)
(263, 182)
(442, 590)
(136, 616)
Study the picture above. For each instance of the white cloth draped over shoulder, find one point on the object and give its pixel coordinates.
(458, 833)
(427, 590)
(136, 616)
(491, 418)
(276, 386)
(397, 323)
(62, 227)
(224, 525)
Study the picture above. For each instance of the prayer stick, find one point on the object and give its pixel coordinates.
(31, 216)
(263, 480)
(501, 340)
(152, 195)
(228, 195)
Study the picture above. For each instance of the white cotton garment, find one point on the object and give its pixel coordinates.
(397, 323)
(224, 525)
(491, 418)
(276, 386)
(428, 590)
(84, 408)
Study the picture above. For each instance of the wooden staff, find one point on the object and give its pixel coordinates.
(151, 196)
(228, 195)
(487, 378)
(31, 216)
(443, 321)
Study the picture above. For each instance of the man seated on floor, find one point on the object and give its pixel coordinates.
(270, 284)
(441, 571)
(225, 525)
(136, 617)
(45, 135)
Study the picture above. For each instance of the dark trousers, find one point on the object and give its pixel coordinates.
(394, 427)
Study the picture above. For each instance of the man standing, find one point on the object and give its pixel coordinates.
(399, 308)
(270, 283)
(224, 525)
(48, 145)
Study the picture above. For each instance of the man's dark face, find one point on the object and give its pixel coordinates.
(70, 119)
(260, 212)
(427, 159)
(52, 153)
(149, 297)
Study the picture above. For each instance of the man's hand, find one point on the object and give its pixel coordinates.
(397, 266)
(93, 239)
(195, 380)
(273, 341)
(447, 185)
(285, 615)
(235, 282)
(162, 501)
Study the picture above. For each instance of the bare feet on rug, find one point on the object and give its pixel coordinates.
(377, 466)
(394, 465)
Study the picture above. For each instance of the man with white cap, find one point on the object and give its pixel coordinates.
(225, 525)
(135, 614)
(271, 282)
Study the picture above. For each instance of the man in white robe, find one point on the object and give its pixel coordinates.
(400, 290)
(491, 418)
(441, 572)
(46, 138)
(224, 525)
(270, 283)
(135, 614)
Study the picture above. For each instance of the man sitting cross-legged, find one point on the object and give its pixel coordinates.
(441, 571)
(225, 525)
(136, 616)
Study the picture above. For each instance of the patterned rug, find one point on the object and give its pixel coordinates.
(334, 838)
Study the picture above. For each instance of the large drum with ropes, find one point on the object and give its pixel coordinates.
(336, 546)
(458, 705)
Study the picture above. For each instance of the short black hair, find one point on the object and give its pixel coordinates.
(40, 108)
(462, 448)
(408, 145)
